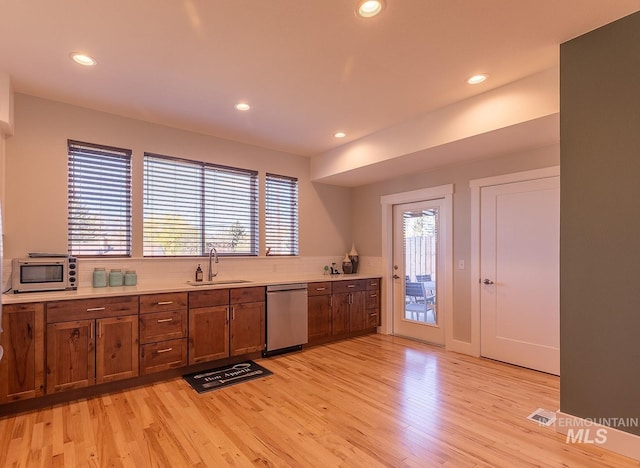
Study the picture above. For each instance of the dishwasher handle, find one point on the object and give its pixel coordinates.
(286, 287)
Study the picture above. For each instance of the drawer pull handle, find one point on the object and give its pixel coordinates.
(95, 309)
(165, 320)
(373, 315)
(320, 289)
(351, 286)
(374, 295)
(166, 350)
(165, 302)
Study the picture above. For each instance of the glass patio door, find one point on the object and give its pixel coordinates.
(416, 264)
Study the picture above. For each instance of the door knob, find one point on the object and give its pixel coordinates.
(487, 281)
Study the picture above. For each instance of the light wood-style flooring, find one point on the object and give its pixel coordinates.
(367, 402)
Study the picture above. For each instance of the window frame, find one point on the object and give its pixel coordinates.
(291, 213)
(206, 170)
(95, 177)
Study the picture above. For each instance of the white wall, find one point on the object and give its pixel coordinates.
(331, 217)
(36, 175)
(367, 214)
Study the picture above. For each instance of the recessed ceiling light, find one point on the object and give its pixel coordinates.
(339, 134)
(369, 8)
(477, 79)
(83, 59)
(243, 106)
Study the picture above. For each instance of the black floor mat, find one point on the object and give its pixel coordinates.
(220, 377)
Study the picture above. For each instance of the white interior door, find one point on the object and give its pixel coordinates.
(417, 266)
(520, 273)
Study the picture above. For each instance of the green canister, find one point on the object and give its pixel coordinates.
(130, 278)
(99, 278)
(116, 278)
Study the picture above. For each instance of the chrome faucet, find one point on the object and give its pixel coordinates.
(211, 274)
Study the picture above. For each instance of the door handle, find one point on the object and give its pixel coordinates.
(487, 281)
(396, 277)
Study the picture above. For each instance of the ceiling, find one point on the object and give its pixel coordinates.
(308, 69)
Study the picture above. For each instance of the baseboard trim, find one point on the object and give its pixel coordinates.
(590, 432)
(461, 347)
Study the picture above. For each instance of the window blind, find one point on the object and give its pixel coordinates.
(190, 206)
(99, 200)
(281, 220)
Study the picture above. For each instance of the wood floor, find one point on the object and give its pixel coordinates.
(371, 401)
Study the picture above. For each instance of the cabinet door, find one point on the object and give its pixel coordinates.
(116, 348)
(247, 328)
(70, 355)
(22, 368)
(340, 313)
(208, 334)
(358, 318)
(319, 317)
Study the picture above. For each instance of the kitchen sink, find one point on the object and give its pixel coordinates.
(215, 282)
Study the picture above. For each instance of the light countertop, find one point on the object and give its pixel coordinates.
(164, 286)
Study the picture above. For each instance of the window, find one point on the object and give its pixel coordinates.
(99, 203)
(281, 221)
(190, 206)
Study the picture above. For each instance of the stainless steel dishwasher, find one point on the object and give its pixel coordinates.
(287, 318)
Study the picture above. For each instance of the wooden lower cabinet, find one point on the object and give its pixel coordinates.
(208, 333)
(247, 328)
(70, 355)
(358, 314)
(87, 352)
(248, 317)
(162, 355)
(163, 331)
(319, 311)
(22, 367)
(116, 348)
(339, 309)
(373, 302)
(226, 322)
(349, 307)
(91, 341)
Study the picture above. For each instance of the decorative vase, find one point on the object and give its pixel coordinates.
(347, 266)
(353, 256)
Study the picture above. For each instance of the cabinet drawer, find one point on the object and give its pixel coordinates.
(373, 318)
(373, 299)
(156, 357)
(319, 289)
(373, 284)
(161, 302)
(160, 326)
(349, 286)
(209, 298)
(254, 294)
(85, 309)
